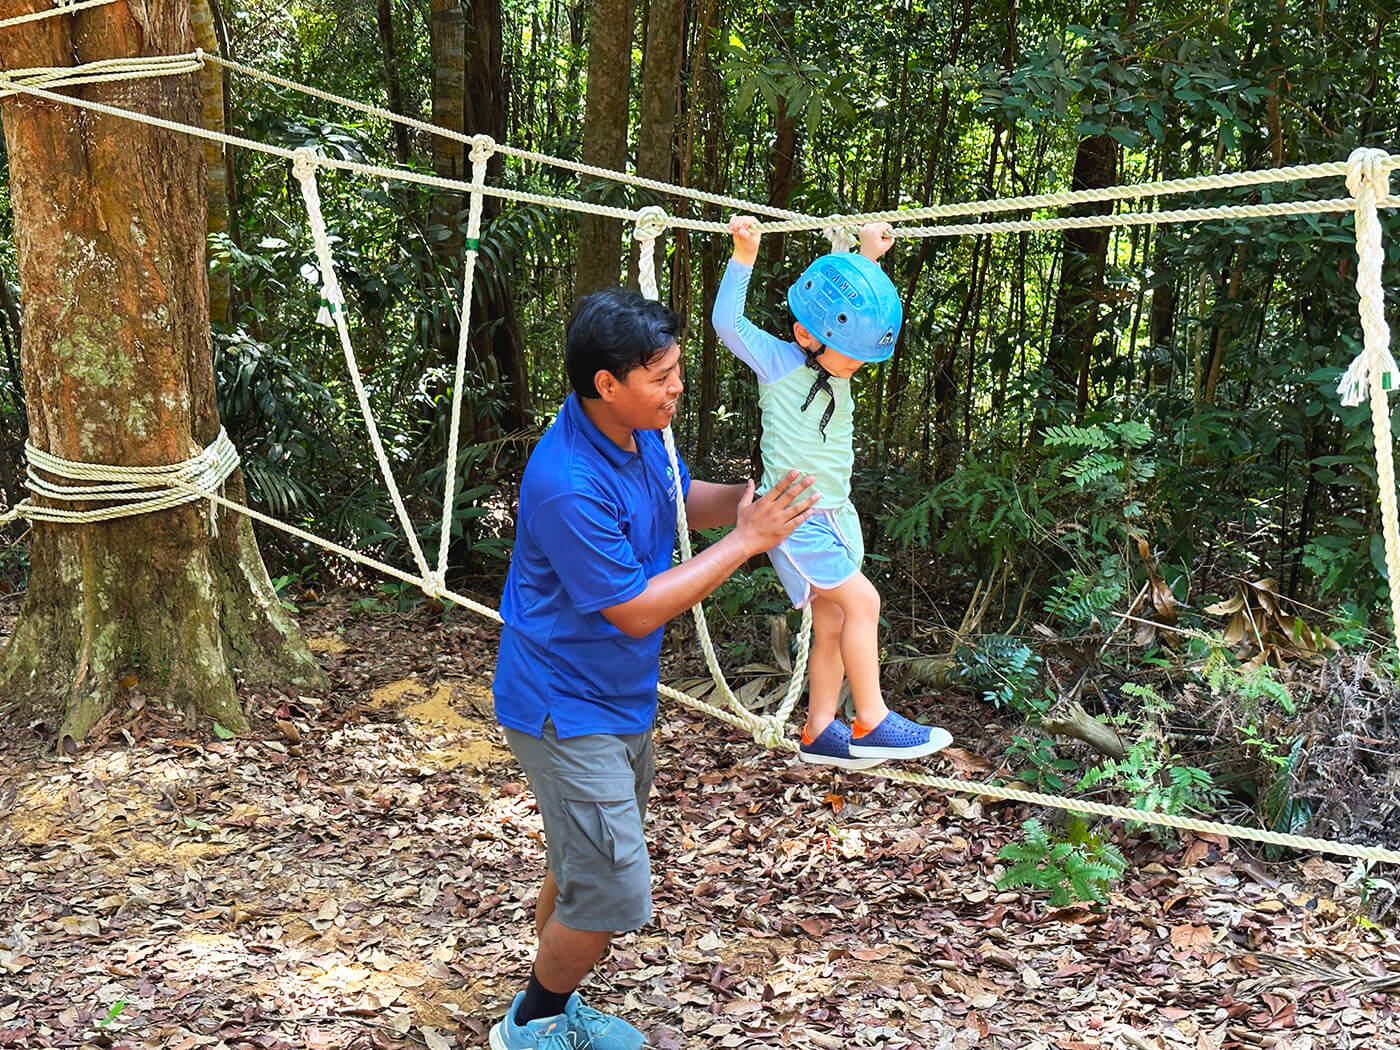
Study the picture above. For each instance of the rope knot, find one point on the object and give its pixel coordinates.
(652, 222)
(842, 238)
(434, 585)
(304, 164)
(1368, 166)
(770, 733)
(483, 146)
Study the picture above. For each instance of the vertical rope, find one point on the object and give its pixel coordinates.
(770, 731)
(482, 148)
(1368, 181)
(333, 306)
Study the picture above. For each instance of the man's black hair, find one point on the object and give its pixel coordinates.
(617, 329)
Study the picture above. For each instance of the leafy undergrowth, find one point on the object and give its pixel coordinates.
(360, 872)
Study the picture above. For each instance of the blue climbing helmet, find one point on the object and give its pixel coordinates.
(847, 302)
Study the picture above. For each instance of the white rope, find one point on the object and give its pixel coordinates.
(103, 71)
(1227, 180)
(63, 8)
(1374, 370)
(1372, 171)
(482, 149)
(610, 174)
(333, 307)
(703, 226)
(128, 490)
(1146, 218)
(772, 730)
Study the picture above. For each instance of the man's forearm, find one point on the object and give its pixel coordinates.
(672, 592)
(710, 505)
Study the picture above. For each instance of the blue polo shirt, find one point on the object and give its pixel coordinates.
(595, 523)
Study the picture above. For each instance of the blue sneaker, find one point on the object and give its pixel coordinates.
(595, 1030)
(897, 737)
(832, 747)
(543, 1033)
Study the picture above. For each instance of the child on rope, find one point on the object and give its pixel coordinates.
(846, 313)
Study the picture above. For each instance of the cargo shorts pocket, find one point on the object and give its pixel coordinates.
(603, 811)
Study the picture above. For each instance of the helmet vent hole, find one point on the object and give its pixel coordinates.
(841, 318)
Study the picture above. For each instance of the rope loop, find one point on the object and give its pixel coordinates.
(652, 222)
(483, 146)
(304, 164)
(128, 491)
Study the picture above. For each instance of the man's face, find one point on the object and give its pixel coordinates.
(646, 398)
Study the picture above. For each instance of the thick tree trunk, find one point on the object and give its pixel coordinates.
(1081, 276)
(656, 129)
(781, 184)
(447, 41)
(211, 88)
(496, 336)
(605, 137)
(393, 83)
(109, 225)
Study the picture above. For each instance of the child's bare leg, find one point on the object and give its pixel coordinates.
(824, 665)
(859, 603)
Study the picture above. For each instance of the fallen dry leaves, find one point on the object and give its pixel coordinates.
(361, 874)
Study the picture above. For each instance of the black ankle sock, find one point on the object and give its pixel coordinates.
(539, 1002)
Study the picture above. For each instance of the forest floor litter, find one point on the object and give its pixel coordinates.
(360, 872)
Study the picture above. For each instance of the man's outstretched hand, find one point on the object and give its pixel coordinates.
(765, 522)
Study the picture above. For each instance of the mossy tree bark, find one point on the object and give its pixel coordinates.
(109, 225)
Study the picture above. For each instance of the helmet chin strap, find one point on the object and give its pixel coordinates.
(821, 382)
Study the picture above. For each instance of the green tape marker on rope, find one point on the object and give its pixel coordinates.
(1386, 380)
(472, 244)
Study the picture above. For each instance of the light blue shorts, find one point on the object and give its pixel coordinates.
(823, 552)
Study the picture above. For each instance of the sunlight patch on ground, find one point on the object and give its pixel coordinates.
(439, 716)
(327, 643)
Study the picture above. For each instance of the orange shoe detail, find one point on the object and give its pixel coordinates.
(807, 737)
(859, 728)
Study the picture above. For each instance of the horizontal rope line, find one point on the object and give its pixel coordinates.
(371, 170)
(949, 784)
(678, 222)
(1137, 191)
(1296, 173)
(1145, 218)
(614, 175)
(103, 71)
(62, 9)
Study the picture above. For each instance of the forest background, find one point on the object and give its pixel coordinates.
(1106, 478)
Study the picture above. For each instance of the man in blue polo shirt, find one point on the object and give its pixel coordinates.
(590, 585)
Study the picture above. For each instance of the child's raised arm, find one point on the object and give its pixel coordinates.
(770, 358)
(876, 238)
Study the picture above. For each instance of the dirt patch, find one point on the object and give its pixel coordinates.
(447, 715)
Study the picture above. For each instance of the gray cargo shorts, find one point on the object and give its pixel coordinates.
(592, 794)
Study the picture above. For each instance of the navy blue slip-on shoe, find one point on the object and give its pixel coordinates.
(897, 737)
(832, 747)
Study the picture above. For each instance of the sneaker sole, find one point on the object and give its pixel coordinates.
(937, 742)
(840, 763)
(497, 1040)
